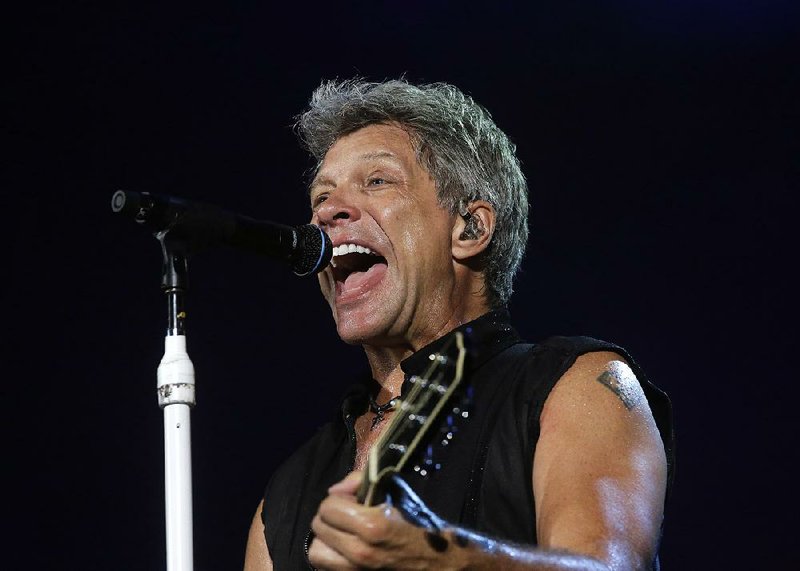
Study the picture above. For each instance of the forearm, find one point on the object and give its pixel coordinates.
(470, 550)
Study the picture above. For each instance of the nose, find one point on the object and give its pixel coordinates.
(336, 210)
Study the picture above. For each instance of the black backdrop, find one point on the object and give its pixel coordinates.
(656, 140)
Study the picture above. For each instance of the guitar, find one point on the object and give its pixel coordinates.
(415, 415)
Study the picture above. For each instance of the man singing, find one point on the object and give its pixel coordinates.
(563, 454)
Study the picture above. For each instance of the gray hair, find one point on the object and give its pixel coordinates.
(455, 140)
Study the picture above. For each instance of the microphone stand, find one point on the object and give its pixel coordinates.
(176, 397)
(184, 227)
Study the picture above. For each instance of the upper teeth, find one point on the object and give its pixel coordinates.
(350, 249)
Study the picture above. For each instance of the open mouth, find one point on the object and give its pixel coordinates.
(356, 268)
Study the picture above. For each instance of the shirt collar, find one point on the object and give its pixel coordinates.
(484, 338)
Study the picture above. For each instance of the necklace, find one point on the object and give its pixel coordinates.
(380, 410)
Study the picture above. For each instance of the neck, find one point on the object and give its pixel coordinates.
(385, 358)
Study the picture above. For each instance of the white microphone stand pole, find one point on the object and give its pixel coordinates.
(176, 398)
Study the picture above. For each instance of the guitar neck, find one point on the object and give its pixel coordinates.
(414, 416)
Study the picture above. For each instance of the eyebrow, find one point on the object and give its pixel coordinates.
(320, 181)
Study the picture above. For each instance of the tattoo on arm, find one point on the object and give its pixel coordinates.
(625, 388)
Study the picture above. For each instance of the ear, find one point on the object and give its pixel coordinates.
(472, 230)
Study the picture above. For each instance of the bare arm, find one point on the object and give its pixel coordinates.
(599, 477)
(256, 557)
(599, 481)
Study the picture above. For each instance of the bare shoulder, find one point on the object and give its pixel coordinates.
(257, 556)
(599, 411)
(599, 381)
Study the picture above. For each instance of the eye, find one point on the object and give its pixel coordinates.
(318, 200)
(376, 181)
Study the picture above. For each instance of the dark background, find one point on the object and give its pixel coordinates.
(658, 142)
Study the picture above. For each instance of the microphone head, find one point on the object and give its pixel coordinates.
(126, 203)
(314, 250)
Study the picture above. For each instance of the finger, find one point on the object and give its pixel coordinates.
(341, 513)
(349, 485)
(322, 556)
(379, 525)
(345, 549)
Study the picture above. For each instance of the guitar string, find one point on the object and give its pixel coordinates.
(395, 424)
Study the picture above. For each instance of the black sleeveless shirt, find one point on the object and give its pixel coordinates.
(479, 476)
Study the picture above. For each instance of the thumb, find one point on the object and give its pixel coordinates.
(349, 485)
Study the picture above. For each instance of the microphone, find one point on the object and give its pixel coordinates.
(306, 248)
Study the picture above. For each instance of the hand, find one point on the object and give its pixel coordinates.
(349, 535)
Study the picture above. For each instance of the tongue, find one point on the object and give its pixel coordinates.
(357, 279)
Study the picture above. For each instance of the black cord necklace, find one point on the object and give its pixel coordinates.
(380, 410)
